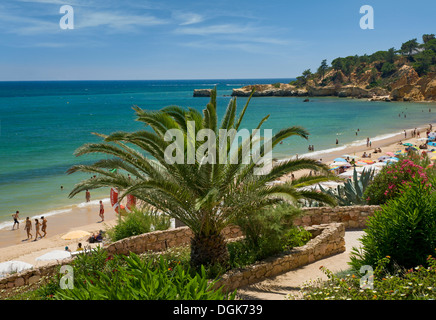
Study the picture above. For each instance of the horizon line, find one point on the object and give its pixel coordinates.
(53, 80)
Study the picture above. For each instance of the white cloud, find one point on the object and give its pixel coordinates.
(117, 20)
(188, 18)
(215, 29)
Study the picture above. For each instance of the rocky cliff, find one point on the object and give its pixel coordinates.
(403, 85)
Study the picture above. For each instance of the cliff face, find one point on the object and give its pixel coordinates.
(410, 87)
(403, 85)
(308, 91)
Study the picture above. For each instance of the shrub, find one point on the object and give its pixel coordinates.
(265, 229)
(386, 184)
(138, 222)
(242, 253)
(414, 284)
(296, 237)
(132, 278)
(404, 228)
(276, 85)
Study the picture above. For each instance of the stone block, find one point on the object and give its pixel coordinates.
(19, 282)
(34, 279)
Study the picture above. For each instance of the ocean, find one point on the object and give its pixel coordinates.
(42, 123)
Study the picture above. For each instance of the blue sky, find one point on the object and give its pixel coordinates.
(166, 39)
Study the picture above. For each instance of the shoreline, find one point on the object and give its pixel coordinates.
(13, 245)
(359, 146)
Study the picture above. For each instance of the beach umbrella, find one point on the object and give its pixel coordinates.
(340, 164)
(432, 134)
(340, 160)
(76, 234)
(432, 143)
(54, 255)
(407, 144)
(390, 154)
(383, 158)
(348, 174)
(391, 160)
(364, 168)
(14, 266)
(378, 164)
(367, 161)
(350, 156)
(360, 163)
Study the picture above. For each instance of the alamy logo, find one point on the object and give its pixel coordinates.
(67, 21)
(367, 21)
(210, 153)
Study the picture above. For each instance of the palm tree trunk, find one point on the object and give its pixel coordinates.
(209, 250)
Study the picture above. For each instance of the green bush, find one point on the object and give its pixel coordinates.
(296, 237)
(404, 229)
(243, 253)
(276, 85)
(133, 278)
(414, 284)
(138, 222)
(268, 225)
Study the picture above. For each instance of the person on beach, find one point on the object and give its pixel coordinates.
(16, 222)
(79, 247)
(101, 214)
(88, 196)
(44, 226)
(37, 226)
(337, 141)
(28, 227)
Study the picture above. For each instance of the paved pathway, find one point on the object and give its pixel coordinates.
(276, 288)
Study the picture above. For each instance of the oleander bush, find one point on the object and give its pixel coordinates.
(386, 184)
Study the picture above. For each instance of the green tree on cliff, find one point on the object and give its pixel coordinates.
(409, 47)
(427, 37)
(323, 68)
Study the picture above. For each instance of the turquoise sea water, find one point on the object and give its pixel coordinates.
(42, 123)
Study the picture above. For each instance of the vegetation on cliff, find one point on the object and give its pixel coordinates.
(382, 69)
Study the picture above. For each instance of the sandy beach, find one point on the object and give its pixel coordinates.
(14, 246)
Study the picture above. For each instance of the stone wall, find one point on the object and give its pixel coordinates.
(31, 276)
(328, 240)
(161, 240)
(353, 217)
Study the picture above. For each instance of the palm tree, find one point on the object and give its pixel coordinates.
(206, 197)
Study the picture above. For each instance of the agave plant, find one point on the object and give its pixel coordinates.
(351, 193)
(203, 195)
